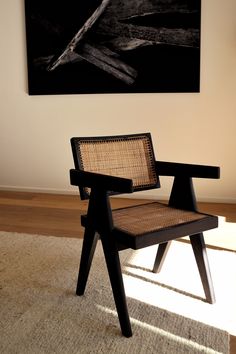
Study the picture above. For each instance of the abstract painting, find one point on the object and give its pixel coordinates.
(113, 46)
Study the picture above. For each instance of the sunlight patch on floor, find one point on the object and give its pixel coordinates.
(223, 237)
(177, 288)
(187, 342)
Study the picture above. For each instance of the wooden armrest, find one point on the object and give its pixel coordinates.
(100, 181)
(164, 168)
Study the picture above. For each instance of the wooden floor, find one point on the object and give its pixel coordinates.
(59, 215)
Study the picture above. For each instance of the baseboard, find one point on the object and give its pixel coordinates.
(38, 190)
(140, 195)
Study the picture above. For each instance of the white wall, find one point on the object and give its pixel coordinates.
(197, 128)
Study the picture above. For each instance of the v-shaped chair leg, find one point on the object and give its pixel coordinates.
(114, 269)
(160, 256)
(199, 249)
(89, 246)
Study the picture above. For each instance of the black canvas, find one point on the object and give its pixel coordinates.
(133, 46)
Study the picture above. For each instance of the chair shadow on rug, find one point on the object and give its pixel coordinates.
(111, 165)
(158, 283)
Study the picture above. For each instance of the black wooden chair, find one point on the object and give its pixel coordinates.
(126, 164)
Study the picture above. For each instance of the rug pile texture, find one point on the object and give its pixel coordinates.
(40, 313)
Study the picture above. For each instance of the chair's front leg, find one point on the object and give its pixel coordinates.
(89, 246)
(116, 279)
(200, 252)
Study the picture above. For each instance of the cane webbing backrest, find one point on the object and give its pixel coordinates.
(128, 156)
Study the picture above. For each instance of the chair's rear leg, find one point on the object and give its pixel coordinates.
(89, 246)
(199, 249)
(161, 255)
(116, 279)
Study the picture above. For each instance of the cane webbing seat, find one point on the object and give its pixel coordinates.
(151, 217)
(150, 223)
(126, 164)
(136, 225)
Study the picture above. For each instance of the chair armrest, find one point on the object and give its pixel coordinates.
(100, 181)
(164, 168)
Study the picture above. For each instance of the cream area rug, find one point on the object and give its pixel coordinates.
(40, 313)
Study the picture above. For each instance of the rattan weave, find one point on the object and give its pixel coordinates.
(132, 158)
(151, 217)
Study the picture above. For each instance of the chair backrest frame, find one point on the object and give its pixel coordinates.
(129, 156)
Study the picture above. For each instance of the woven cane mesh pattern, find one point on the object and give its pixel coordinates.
(129, 158)
(151, 217)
